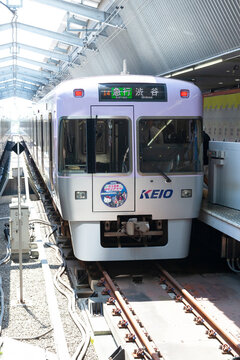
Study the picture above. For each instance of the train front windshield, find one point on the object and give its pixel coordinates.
(94, 145)
(169, 145)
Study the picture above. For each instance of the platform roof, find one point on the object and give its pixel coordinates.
(41, 39)
(43, 42)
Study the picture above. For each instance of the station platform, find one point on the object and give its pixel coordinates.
(222, 218)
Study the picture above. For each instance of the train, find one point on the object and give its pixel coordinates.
(122, 158)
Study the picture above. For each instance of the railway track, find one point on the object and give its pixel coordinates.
(228, 343)
(144, 338)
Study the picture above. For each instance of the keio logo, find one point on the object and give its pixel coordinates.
(156, 194)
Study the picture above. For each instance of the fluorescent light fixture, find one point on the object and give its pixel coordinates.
(210, 63)
(168, 76)
(182, 71)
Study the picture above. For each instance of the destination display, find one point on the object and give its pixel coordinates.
(132, 92)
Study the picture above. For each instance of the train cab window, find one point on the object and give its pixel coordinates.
(94, 145)
(112, 145)
(170, 145)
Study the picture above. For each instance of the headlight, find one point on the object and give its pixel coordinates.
(186, 193)
(80, 195)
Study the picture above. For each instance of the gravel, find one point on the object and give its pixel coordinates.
(32, 319)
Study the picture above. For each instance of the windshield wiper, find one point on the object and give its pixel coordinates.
(168, 180)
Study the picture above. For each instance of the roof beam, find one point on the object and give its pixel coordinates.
(4, 27)
(12, 94)
(47, 53)
(23, 70)
(15, 89)
(61, 50)
(7, 58)
(5, 46)
(49, 67)
(31, 79)
(66, 39)
(87, 12)
(15, 92)
(73, 20)
(28, 78)
(51, 54)
(18, 83)
(6, 77)
(6, 69)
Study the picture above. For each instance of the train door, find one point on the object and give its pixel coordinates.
(113, 178)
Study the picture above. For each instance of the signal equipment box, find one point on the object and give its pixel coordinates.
(224, 174)
(14, 228)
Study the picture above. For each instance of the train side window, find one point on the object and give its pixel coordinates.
(72, 154)
(37, 138)
(42, 141)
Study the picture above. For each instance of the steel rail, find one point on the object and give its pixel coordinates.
(194, 303)
(136, 327)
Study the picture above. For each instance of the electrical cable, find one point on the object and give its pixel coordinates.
(83, 345)
(8, 248)
(40, 221)
(33, 337)
(70, 295)
(238, 263)
(231, 266)
(4, 261)
(2, 304)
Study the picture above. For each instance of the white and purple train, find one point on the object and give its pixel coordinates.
(122, 158)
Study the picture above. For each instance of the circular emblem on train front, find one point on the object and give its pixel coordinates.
(114, 194)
